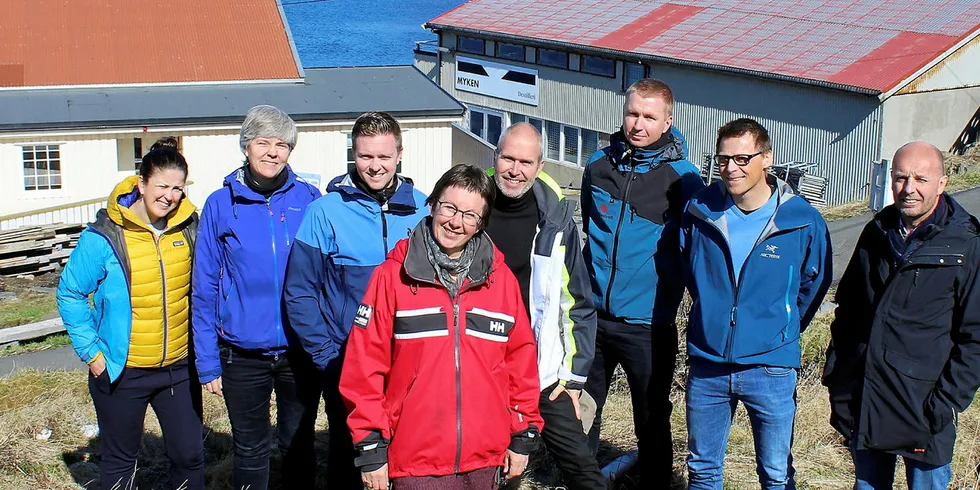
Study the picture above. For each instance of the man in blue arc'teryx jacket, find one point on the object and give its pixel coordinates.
(343, 237)
(757, 261)
(632, 195)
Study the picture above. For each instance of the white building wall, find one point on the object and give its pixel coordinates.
(91, 163)
(936, 117)
(960, 69)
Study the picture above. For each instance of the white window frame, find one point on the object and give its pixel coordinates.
(47, 148)
(504, 118)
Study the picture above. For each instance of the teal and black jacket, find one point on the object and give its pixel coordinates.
(632, 200)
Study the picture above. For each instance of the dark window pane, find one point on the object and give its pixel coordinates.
(470, 45)
(553, 133)
(632, 73)
(495, 125)
(557, 59)
(599, 66)
(510, 51)
(54, 153)
(476, 123)
(41, 155)
(28, 153)
(590, 144)
(54, 165)
(42, 167)
(537, 123)
(517, 118)
(571, 145)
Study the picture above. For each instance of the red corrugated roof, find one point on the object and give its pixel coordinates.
(872, 44)
(95, 42)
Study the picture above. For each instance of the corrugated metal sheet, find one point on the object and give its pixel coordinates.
(840, 132)
(881, 41)
(96, 42)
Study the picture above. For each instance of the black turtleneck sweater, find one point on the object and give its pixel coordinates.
(268, 189)
(513, 224)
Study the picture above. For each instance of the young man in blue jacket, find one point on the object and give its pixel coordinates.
(632, 195)
(343, 237)
(757, 261)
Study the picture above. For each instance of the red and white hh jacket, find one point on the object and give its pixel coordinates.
(438, 385)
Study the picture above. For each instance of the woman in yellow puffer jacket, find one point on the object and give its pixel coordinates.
(136, 259)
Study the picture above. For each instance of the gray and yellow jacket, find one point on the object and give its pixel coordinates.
(562, 313)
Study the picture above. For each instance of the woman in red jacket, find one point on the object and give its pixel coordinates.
(440, 373)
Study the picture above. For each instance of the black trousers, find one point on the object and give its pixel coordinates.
(121, 408)
(248, 381)
(648, 358)
(567, 443)
(342, 473)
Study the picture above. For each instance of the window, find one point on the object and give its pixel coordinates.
(590, 144)
(508, 51)
(556, 59)
(486, 124)
(632, 73)
(137, 153)
(570, 153)
(599, 66)
(552, 135)
(470, 45)
(350, 154)
(42, 167)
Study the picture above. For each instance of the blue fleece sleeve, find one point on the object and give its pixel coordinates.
(81, 277)
(305, 276)
(670, 283)
(207, 274)
(816, 272)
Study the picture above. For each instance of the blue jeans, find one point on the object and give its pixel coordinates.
(769, 396)
(875, 470)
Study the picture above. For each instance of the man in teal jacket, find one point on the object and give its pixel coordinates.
(757, 261)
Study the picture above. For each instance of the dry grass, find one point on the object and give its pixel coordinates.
(33, 401)
(28, 307)
(844, 211)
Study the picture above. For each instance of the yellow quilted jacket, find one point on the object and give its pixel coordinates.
(159, 277)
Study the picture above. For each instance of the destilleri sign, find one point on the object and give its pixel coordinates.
(497, 80)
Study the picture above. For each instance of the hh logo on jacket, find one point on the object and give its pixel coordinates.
(770, 252)
(363, 315)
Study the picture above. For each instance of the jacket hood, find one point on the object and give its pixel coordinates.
(402, 200)
(624, 154)
(127, 192)
(956, 215)
(411, 253)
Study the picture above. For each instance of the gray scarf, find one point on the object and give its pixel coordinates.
(446, 267)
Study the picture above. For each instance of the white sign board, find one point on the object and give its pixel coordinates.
(497, 80)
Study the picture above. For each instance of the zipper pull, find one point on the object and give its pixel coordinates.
(733, 316)
(282, 217)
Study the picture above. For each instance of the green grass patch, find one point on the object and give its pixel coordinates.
(962, 182)
(52, 341)
(27, 307)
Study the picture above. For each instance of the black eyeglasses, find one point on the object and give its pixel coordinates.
(447, 210)
(741, 159)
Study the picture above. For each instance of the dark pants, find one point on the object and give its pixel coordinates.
(342, 473)
(121, 408)
(648, 358)
(481, 479)
(248, 380)
(567, 443)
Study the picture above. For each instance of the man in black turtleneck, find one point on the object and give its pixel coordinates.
(532, 225)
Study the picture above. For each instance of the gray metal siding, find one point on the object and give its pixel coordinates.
(838, 131)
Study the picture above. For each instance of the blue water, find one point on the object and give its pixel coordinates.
(360, 32)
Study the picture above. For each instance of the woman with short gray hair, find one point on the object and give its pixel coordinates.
(240, 332)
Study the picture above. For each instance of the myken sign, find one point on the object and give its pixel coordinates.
(497, 80)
